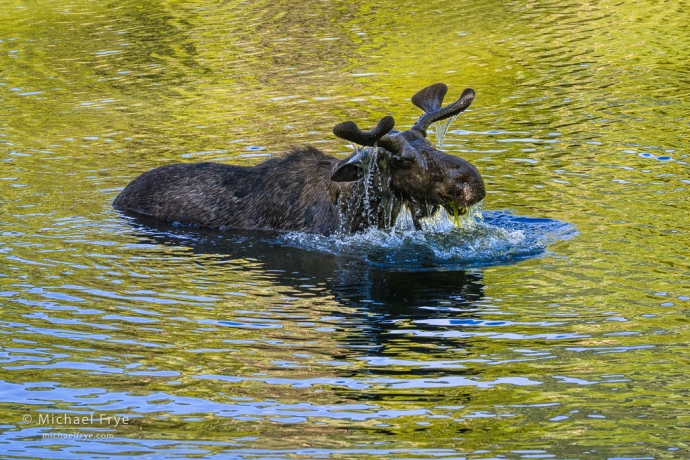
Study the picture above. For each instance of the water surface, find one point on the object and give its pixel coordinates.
(568, 343)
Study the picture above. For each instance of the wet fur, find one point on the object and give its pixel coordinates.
(291, 193)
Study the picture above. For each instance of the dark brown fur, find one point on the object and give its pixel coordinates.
(292, 193)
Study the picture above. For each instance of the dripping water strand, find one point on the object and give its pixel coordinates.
(441, 128)
(359, 209)
(370, 171)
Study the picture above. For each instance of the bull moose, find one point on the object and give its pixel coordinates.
(308, 191)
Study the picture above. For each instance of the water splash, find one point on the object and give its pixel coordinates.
(479, 238)
(442, 222)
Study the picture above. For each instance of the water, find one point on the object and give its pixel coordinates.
(441, 129)
(556, 327)
(441, 244)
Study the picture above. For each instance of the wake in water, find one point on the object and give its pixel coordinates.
(474, 239)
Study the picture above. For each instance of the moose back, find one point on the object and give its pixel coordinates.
(308, 191)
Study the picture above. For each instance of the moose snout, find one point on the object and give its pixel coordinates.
(474, 192)
(464, 186)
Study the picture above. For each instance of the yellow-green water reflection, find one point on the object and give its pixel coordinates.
(581, 117)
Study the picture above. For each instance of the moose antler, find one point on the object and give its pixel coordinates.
(430, 99)
(349, 131)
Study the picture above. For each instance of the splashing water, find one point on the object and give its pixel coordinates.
(475, 239)
(466, 238)
(442, 222)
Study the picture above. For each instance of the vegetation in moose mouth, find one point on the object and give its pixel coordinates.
(457, 212)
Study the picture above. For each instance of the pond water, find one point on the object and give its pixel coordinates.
(557, 327)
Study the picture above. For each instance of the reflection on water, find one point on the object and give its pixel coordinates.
(349, 280)
(513, 337)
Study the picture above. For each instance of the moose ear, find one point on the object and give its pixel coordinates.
(348, 172)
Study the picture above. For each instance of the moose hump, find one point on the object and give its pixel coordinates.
(308, 191)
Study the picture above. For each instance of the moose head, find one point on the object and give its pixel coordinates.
(418, 175)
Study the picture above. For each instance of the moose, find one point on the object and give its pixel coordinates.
(308, 191)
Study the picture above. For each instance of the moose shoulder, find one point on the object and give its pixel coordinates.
(309, 191)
